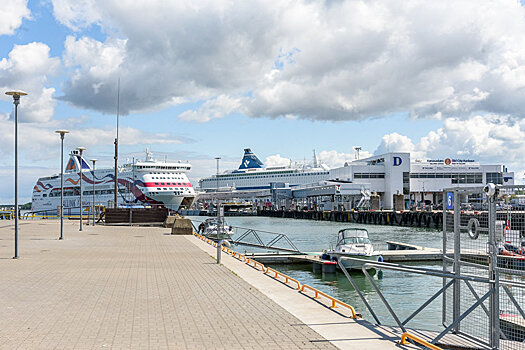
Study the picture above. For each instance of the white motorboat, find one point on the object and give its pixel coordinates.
(211, 228)
(353, 243)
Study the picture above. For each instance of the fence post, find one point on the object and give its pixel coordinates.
(493, 275)
(456, 309)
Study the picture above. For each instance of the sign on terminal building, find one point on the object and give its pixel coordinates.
(450, 161)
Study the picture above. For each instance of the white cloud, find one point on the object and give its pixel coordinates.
(28, 68)
(12, 14)
(276, 160)
(218, 107)
(334, 159)
(331, 60)
(487, 138)
(76, 14)
(395, 142)
(38, 142)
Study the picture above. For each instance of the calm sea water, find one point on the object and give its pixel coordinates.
(404, 291)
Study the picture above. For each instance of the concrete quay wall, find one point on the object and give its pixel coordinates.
(421, 219)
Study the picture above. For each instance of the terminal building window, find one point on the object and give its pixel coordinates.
(369, 175)
(495, 178)
(406, 182)
(456, 178)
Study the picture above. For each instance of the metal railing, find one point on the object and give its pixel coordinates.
(287, 279)
(259, 239)
(335, 303)
(483, 284)
(257, 265)
(417, 339)
(333, 300)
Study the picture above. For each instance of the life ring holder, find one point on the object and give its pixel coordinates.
(473, 228)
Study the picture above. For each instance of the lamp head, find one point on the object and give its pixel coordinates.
(62, 132)
(16, 93)
(93, 160)
(81, 149)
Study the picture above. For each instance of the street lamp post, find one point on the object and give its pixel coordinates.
(93, 204)
(62, 133)
(217, 182)
(80, 150)
(16, 100)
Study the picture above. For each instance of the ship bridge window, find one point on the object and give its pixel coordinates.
(156, 183)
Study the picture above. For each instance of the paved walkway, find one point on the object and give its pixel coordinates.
(131, 288)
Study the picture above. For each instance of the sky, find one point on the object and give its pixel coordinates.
(207, 78)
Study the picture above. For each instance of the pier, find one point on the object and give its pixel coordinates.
(407, 218)
(141, 287)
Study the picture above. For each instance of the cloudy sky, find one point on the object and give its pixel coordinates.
(207, 78)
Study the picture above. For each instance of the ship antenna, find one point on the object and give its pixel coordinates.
(116, 146)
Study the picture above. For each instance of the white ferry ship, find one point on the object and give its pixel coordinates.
(252, 175)
(148, 182)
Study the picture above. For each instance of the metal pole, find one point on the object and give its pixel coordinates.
(493, 275)
(217, 183)
(456, 310)
(61, 186)
(115, 196)
(16, 101)
(93, 204)
(80, 149)
(220, 226)
(445, 268)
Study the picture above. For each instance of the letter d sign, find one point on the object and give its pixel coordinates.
(397, 161)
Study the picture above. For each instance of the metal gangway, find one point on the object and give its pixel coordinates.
(482, 300)
(262, 239)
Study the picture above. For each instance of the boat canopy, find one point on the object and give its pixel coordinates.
(352, 235)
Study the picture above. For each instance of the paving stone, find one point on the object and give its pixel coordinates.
(131, 288)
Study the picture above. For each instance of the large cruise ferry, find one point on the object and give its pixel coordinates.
(147, 182)
(252, 175)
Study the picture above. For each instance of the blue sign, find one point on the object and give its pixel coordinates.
(450, 200)
(397, 161)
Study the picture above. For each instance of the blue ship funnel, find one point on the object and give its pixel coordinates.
(250, 160)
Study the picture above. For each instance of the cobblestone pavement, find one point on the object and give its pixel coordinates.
(131, 288)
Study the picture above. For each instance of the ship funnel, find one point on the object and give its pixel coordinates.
(250, 160)
(75, 163)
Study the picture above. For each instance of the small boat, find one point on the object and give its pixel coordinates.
(353, 243)
(211, 227)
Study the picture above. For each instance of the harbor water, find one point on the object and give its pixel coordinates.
(404, 291)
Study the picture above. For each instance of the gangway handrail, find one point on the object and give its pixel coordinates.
(417, 339)
(329, 297)
(287, 278)
(260, 244)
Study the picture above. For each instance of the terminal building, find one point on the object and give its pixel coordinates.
(421, 182)
(393, 180)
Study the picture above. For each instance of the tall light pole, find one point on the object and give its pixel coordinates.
(217, 182)
(62, 133)
(16, 100)
(357, 149)
(115, 196)
(93, 204)
(80, 150)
